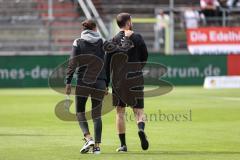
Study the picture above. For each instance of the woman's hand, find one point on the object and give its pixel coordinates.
(68, 89)
(128, 33)
(106, 91)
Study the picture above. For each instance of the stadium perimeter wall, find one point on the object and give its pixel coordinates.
(33, 71)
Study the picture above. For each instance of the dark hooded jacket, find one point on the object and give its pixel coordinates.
(87, 57)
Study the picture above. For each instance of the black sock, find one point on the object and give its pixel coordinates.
(122, 139)
(141, 125)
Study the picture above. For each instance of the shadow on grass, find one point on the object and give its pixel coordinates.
(28, 135)
(174, 153)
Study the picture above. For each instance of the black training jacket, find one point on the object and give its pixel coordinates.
(91, 64)
(138, 53)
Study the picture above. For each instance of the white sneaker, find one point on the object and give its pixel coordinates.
(89, 143)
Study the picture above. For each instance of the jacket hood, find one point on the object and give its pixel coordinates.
(90, 36)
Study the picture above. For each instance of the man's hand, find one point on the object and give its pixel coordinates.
(106, 91)
(128, 33)
(68, 89)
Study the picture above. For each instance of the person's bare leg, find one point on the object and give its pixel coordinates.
(121, 129)
(120, 120)
(139, 115)
(88, 136)
(140, 119)
(97, 145)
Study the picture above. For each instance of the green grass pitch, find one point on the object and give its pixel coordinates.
(29, 129)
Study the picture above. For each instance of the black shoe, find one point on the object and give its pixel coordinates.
(122, 149)
(96, 150)
(143, 139)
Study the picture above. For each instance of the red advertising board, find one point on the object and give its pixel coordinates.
(214, 40)
(233, 65)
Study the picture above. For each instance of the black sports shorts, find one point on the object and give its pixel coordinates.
(123, 102)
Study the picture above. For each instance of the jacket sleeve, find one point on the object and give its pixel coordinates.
(142, 48)
(72, 63)
(108, 67)
(110, 47)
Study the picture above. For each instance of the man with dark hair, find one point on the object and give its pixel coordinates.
(136, 56)
(122, 19)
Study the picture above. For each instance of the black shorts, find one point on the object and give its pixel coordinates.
(123, 102)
